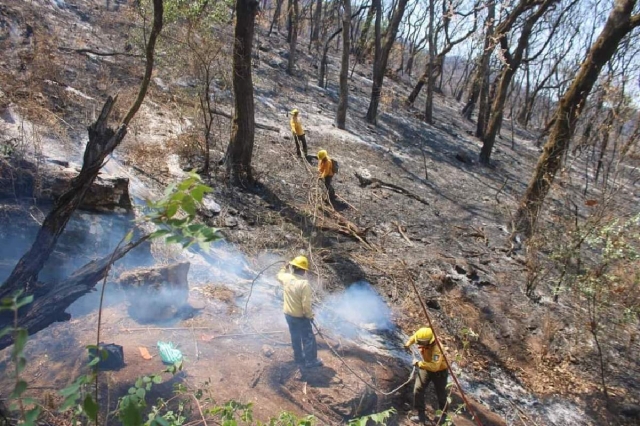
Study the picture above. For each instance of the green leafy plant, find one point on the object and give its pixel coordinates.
(175, 214)
(18, 402)
(377, 418)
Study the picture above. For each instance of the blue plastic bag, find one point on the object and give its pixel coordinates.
(169, 353)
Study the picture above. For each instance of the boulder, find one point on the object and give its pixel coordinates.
(21, 178)
(156, 293)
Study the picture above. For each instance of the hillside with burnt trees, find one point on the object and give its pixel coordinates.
(486, 187)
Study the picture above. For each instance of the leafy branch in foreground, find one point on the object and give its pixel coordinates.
(18, 402)
(175, 214)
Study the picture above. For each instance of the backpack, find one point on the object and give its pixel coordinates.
(336, 167)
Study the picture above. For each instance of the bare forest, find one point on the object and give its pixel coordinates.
(171, 169)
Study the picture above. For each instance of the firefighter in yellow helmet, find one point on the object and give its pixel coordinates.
(432, 368)
(325, 168)
(298, 133)
(298, 313)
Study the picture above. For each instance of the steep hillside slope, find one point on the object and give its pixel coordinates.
(432, 215)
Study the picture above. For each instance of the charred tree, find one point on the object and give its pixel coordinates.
(50, 302)
(428, 109)
(294, 16)
(619, 23)
(482, 69)
(512, 63)
(434, 69)
(240, 149)
(382, 54)
(341, 114)
(102, 141)
(316, 23)
(276, 17)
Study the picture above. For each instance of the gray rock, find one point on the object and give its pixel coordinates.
(210, 207)
(161, 84)
(230, 222)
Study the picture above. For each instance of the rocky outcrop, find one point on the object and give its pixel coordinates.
(20, 178)
(156, 293)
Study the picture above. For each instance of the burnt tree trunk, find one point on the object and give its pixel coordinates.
(322, 70)
(619, 23)
(295, 21)
(360, 48)
(428, 109)
(508, 71)
(240, 149)
(482, 70)
(316, 24)
(102, 141)
(382, 55)
(276, 17)
(50, 302)
(341, 114)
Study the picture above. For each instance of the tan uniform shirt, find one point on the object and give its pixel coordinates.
(297, 295)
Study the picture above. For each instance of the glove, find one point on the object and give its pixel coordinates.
(416, 364)
(407, 348)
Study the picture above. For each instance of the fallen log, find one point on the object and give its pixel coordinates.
(377, 183)
(51, 301)
(258, 125)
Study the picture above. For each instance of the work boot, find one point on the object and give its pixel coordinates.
(315, 363)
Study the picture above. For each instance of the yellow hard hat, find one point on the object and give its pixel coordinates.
(424, 336)
(322, 154)
(294, 112)
(300, 262)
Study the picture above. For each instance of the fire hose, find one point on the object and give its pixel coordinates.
(374, 388)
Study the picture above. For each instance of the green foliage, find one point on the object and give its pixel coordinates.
(175, 214)
(610, 273)
(131, 407)
(17, 400)
(377, 418)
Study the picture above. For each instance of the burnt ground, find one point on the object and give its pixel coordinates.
(529, 363)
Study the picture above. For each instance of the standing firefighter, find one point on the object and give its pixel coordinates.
(432, 368)
(326, 170)
(297, 311)
(298, 133)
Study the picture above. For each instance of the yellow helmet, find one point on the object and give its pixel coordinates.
(424, 336)
(300, 262)
(294, 112)
(322, 154)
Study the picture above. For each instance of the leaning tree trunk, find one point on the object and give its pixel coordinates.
(619, 23)
(509, 69)
(102, 141)
(341, 114)
(240, 149)
(382, 56)
(322, 70)
(482, 69)
(276, 17)
(52, 301)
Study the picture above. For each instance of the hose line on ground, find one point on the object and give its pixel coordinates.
(413, 371)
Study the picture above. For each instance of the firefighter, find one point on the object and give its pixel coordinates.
(298, 313)
(325, 168)
(298, 133)
(432, 368)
